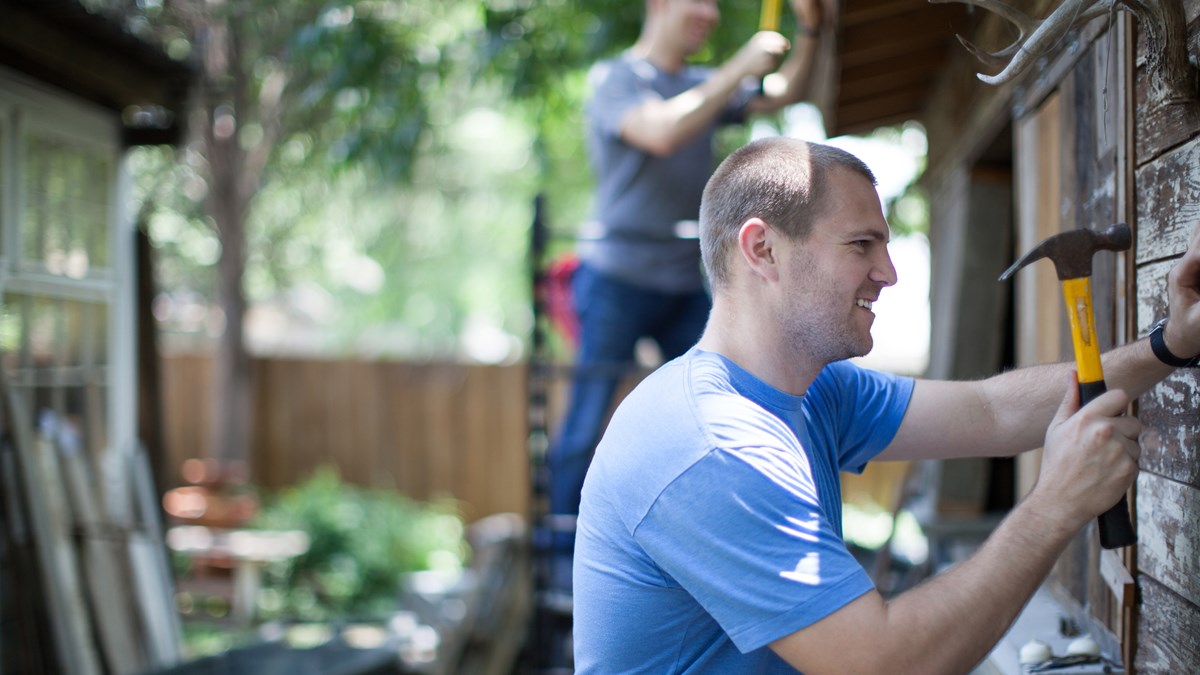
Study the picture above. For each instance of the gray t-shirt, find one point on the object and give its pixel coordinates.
(643, 202)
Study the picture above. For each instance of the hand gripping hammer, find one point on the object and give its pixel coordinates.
(1071, 253)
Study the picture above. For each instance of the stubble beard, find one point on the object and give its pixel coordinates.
(825, 332)
(825, 340)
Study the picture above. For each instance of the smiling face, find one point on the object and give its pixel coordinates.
(831, 278)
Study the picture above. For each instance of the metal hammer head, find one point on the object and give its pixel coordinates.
(1072, 251)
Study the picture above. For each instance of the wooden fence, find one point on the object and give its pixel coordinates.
(427, 430)
(424, 429)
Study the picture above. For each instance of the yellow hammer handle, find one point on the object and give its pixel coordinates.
(1078, 295)
(770, 15)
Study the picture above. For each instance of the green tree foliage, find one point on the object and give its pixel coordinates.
(391, 152)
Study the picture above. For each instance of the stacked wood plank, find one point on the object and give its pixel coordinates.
(103, 586)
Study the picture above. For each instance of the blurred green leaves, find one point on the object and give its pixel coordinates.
(403, 144)
(361, 542)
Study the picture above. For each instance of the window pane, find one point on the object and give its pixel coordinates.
(65, 221)
(54, 356)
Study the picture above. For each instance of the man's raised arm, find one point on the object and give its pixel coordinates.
(949, 623)
(1008, 413)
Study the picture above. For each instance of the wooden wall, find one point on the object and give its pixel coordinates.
(1167, 194)
(1120, 156)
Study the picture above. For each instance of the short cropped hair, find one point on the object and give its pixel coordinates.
(783, 181)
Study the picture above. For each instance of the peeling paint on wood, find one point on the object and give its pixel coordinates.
(1151, 294)
(1167, 633)
(1168, 202)
(1171, 426)
(1162, 126)
(1120, 159)
(1170, 412)
(1169, 534)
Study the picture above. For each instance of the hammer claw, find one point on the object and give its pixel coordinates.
(1072, 251)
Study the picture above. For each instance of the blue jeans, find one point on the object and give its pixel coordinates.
(613, 315)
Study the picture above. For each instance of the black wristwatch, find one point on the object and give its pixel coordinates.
(1159, 345)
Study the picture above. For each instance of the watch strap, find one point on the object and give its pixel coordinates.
(1158, 345)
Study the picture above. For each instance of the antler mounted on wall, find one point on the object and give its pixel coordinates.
(1162, 20)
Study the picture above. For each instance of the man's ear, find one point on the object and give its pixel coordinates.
(756, 243)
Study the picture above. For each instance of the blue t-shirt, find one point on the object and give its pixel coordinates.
(641, 199)
(711, 516)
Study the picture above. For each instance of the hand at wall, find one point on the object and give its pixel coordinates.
(1182, 332)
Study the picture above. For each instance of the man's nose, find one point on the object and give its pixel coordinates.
(884, 272)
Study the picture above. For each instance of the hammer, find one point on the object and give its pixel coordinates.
(1071, 253)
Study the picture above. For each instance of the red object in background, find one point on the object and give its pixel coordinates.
(556, 296)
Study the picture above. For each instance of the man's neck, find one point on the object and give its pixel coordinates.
(758, 350)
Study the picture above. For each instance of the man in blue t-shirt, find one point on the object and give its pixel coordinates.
(650, 120)
(709, 535)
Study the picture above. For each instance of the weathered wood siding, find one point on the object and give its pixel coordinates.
(1116, 156)
(1167, 195)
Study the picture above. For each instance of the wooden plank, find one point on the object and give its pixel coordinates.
(1162, 126)
(392, 424)
(1169, 534)
(1039, 310)
(104, 567)
(440, 414)
(264, 421)
(899, 103)
(307, 433)
(1171, 427)
(153, 582)
(412, 465)
(856, 12)
(900, 33)
(366, 385)
(1167, 631)
(187, 407)
(477, 429)
(1168, 411)
(1168, 202)
(339, 437)
(511, 492)
(51, 531)
(1117, 578)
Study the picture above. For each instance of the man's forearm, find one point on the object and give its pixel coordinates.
(1134, 368)
(1008, 413)
(948, 623)
(661, 127)
(951, 622)
(1025, 399)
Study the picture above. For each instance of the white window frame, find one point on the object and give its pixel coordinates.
(28, 105)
